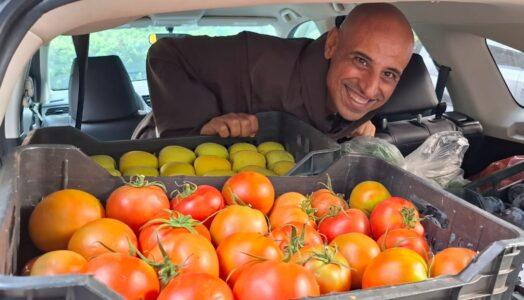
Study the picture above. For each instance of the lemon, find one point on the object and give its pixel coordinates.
(177, 168)
(175, 154)
(146, 171)
(275, 156)
(266, 147)
(105, 161)
(247, 158)
(137, 159)
(205, 163)
(211, 149)
(240, 147)
(282, 167)
(258, 169)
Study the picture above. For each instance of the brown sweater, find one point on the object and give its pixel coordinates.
(193, 79)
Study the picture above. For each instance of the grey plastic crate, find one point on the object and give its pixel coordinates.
(34, 171)
(313, 150)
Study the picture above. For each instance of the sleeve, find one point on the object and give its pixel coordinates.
(193, 79)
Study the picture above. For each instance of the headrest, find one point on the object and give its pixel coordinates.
(414, 93)
(109, 94)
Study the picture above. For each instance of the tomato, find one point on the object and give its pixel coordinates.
(322, 200)
(168, 222)
(96, 237)
(350, 220)
(26, 269)
(305, 236)
(59, 262)
(451, 261)
(127, 275)
(367, 194)
(359, 250)
(237, 218)
(200, 202)
(196, 286)
(191, 252)
(330, 268)
(393, 213)
(406, 238)
(59, 215)
(290, 199)
(244, 247)
(136, 203)
(275, 280)
(395, 266)
(250, 188)
(288, 215)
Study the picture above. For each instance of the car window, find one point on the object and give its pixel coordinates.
(511, 65)
(432, 69)
(131, 45)
(307, 29)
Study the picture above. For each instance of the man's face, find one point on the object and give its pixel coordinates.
(366, 64)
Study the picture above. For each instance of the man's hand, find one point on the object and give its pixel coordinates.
(366, 129)
(231, 125)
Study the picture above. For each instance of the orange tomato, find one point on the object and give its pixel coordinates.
(451, 261)
(290, 199)
(287, 215)
(59, 215)
(283, 236)
(96, 237)
(196, 286)
(59, 262)
(250, 188)
(406, 238)
(359, 250)
(322, 200)
(237, 218)
(395, 266)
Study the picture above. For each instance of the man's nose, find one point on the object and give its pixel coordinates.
(369, 85)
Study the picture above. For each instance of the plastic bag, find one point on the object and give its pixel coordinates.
(374, 147)
(439, 158)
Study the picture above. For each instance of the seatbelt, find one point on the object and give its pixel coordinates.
(443, 74)
(81, 43)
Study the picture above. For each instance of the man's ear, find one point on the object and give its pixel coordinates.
(331, 43)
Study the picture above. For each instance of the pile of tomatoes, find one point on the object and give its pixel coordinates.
(238, 243)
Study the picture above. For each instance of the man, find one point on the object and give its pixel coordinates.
(214, 86)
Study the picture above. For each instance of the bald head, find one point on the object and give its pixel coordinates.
(367, 54)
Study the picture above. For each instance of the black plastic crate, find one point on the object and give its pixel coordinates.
(313, 151)
(35, 171)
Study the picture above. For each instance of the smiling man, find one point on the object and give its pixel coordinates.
(214, 86)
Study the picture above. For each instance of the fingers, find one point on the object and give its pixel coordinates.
(231, 125)
(366, 129)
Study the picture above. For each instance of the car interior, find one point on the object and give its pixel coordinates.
(456, 80)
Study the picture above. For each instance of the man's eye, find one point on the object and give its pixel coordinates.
(360, 61)
(390, 76)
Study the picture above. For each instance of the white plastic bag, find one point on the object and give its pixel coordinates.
(439, 158)
(374, 147)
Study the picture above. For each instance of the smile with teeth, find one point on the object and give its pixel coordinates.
(355, 97)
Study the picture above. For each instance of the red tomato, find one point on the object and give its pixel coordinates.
(359, 250)
(322, 200)
(242, 248)
(275, 280)
(305, 236)
(59, 262)
(129, 276)
(196, 286)
(136, 203)
(166, 222)
(330, 268)
(451, 261)
(96, 237)
(395, 266)
(367, 194)
(237, 218)
(350, 220)
(250, 188)
(191, 252)
(394, 213)
(406, 238)
(200, 202)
